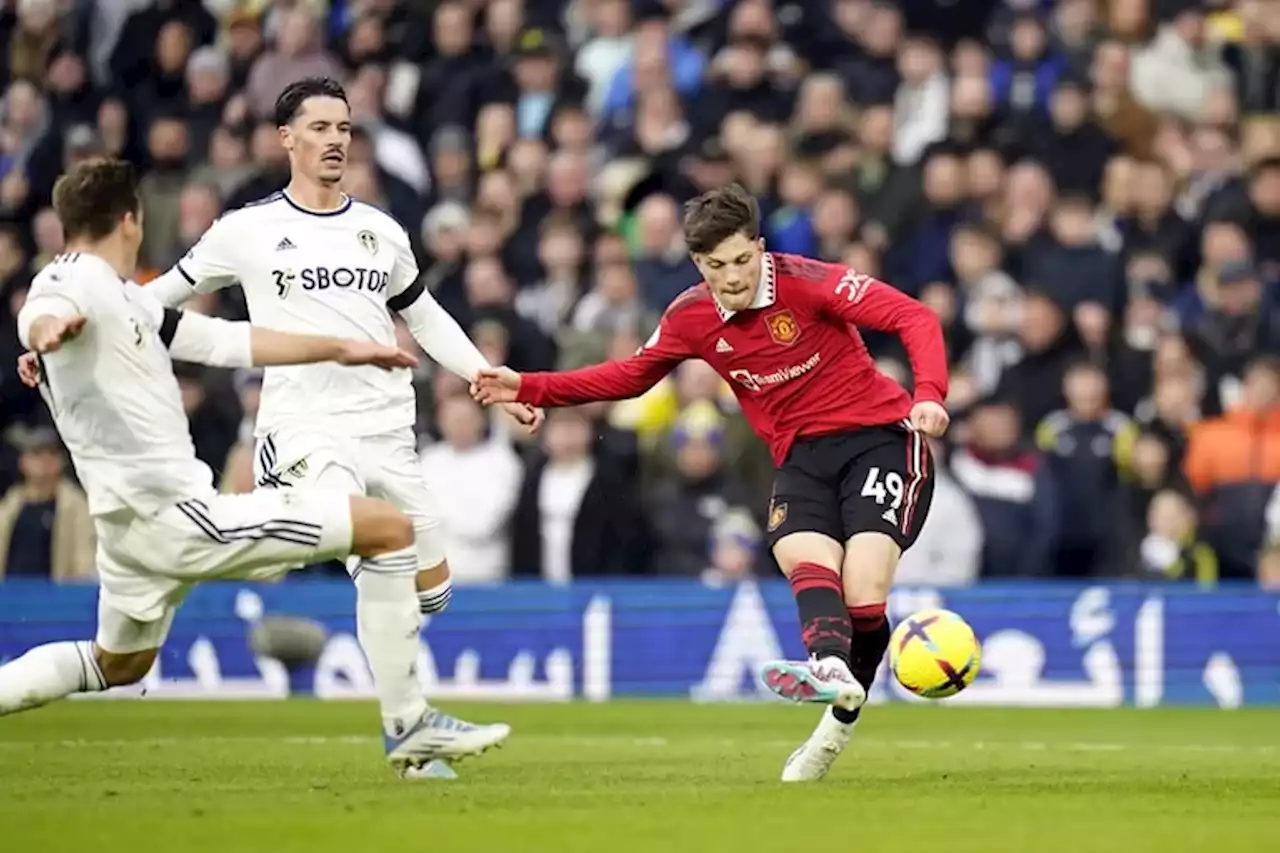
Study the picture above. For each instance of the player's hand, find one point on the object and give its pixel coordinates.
(29, 369)
(496, 385)
(531, 417)
(48, 333)
(930, 418)
(377, 355)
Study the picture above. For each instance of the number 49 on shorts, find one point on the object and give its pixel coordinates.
(887, 488)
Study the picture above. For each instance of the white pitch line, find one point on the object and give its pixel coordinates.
(652, 743)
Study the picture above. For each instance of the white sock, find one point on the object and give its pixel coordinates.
(435, 599)
(388, 622)
(47, 673)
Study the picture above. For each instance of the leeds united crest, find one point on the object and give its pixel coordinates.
(369, 240)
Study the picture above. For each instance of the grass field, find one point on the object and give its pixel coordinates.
(309, 777)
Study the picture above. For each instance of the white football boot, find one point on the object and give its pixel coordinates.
(815, 756)
(438, 737)
(827, 681)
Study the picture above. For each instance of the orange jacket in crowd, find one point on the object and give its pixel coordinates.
(1237, 447)
(1233, 463)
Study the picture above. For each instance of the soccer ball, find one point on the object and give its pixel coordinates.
(934, 654)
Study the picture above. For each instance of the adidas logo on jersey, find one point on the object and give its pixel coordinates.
(286, 243)
(890, 515)
(723, 346)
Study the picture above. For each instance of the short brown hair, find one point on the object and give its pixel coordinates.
(94, 196)
(717, 215)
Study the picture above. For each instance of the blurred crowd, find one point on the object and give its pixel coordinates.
(1087, 192)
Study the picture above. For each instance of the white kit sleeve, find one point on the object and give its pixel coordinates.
(53, 296)
(210, 265)
(194, 337)
(436, 332)
(208, 340)
(440, 336)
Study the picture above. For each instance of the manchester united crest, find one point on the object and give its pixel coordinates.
(369, 240)
(777, 515)
(783, 328)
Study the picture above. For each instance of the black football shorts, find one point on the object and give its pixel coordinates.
(869, 480)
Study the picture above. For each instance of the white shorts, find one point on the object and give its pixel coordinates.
(148, 564)
(384, 466)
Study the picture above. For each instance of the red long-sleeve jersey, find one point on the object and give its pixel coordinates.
(795, 359)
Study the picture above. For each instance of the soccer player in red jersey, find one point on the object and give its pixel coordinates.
(854, 477)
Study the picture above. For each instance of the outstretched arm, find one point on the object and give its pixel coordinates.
(50, 318)
(437, 332)
(222, 343)
(613, 380)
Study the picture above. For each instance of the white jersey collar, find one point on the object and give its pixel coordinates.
(341, 208)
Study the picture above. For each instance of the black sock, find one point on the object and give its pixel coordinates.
(870, 641)
(824, 620)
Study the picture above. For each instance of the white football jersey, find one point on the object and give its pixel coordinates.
(334, 273)
(112, 391)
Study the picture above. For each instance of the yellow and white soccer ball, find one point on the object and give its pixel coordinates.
(934, 653)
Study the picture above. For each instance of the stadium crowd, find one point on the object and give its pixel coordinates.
(1087, 192)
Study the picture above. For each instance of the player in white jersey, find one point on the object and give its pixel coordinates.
(312, 259)
(107, 378)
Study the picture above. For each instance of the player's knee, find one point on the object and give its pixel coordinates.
(377, 527)
(870, 560)
(434, 590)
(807, 547)
(123, 668)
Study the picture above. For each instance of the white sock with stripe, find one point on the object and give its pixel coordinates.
(48, 673)
(387, 623)
(435, 599)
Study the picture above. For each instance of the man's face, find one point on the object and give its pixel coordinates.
(41, 464)
(318, 138)
(567, 437)
(1265, 192)
(995, 428)
(1190, 26)
(1086, 392)
(698, 459)
(1069, 107)
(1261, 388)
(1240, 298)
(1072, 225)
(1027, 39)
(536, 73)
(461, 422)
(943, 181)
(732, 270)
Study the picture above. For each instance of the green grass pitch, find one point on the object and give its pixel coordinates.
(306, 776)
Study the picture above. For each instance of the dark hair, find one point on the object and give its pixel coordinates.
(1266, 164)
(1075, 200)
(717, 215)
(290, 102)
(559, 223)
(1086, 365)
(981, 230)
(94, 196)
